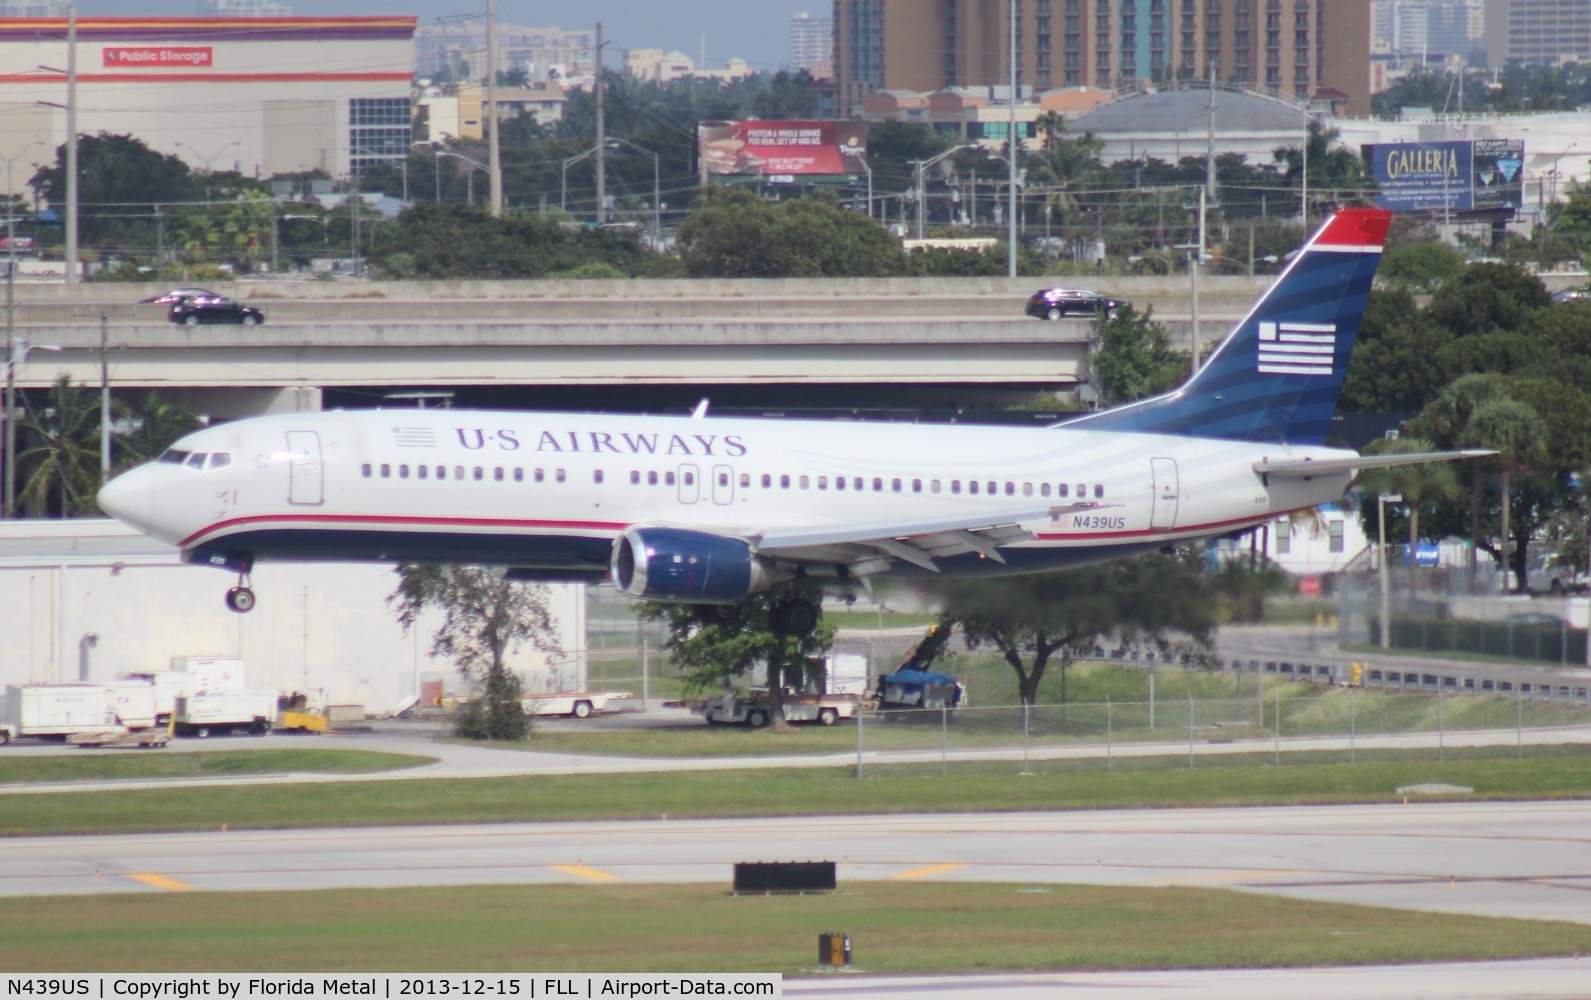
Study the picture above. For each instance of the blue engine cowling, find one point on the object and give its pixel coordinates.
(677, 564)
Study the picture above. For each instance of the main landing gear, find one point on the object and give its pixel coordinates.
(794, 616)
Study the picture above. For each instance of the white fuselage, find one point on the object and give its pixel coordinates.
(551, 491)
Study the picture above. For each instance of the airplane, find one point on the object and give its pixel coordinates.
(708, 511)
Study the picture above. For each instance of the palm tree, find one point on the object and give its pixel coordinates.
(155, 426)
(61, 471)
(1514, 430)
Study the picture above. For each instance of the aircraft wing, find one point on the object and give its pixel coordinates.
(1305, 468)
(919, 543)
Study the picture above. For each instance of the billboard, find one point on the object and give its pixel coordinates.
(762, 149)
(1483, 175)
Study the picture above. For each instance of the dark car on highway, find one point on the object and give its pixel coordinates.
(214, 309)
(1053, 303)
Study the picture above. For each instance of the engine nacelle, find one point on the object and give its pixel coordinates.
(678, 564)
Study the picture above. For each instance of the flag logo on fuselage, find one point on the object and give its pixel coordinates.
(1297, 348)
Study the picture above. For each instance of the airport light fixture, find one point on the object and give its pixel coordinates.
(474, 164)
(657, 218)
(563, 175)
(919, 167)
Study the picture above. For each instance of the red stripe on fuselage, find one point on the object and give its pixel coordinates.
(380, 520)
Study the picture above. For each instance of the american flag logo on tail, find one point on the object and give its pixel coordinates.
(1297, 348)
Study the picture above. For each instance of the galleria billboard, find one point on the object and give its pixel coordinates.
(1478, 176)
(762, 149)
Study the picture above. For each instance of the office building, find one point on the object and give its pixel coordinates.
(1291, 48)
(1540, 32)
(812, 45)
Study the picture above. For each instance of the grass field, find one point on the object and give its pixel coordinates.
(895, 928)
(1558, 772)
(149, 764)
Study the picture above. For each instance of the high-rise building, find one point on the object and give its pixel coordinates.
(812, 44)
(458, 50)
(1291, 48)
(1428, 29)
(1545, 32)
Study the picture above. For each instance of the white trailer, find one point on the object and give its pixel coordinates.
(56, 711)
(735, 708)
(212, 673)
(213, 713)
(575, 704)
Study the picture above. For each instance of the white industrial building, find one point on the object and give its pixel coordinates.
(259, 95)
(93, 599)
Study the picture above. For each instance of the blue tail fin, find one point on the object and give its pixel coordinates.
(1277, 376)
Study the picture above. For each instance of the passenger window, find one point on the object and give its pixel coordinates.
(539, 476)
(856, 482)
(386, 471)
(878, 485)
(745, 480)
(1099, 491)
(1061, 490)
(651, 479)
(972, 487)
(689, 477)
(497, 474)
(894, 485)
(558, 475)
(933, 486)
(441, 472)
(635, 478)
(480, 473)
(364, 470)
(767, 481)
(839, 482)
(917, 485)
(1082, 491)
(823, 482)
(458, 472)
(668, 479)
(805, 482)
(519, 475)
(1044, 489)
(220, 460)
(994, 488)
(723, 479)
(596, 476)
(403, 471)
(784, 482)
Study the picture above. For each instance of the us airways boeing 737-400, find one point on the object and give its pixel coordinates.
(708, 511)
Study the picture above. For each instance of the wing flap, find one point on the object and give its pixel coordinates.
(1307, 468)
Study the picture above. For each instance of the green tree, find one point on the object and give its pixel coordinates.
(733, 233)
(1514, 430)
(458, 241)
(155, 425)
(1487, 297)
(715, 652)
(1419, 267)
(484, 617)
(1133, 358)
(1032, 621)
(1396, 365)
(120, 181)
(1421, 486)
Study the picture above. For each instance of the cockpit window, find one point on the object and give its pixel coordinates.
(196, 460)
(174, 456)
(220, 459)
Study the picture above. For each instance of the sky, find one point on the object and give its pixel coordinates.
(757, 31)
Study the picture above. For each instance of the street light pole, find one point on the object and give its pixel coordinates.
(1012, 144)
(16, 352)
(71, 146)
(1381, 530)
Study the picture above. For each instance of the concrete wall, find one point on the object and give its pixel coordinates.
(316, 626)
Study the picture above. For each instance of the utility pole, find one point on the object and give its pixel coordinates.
(104, 398)
(71, 145)
(602, 136)
(1012, 144)
(494, 166)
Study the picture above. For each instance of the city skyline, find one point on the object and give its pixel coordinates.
(758, 33)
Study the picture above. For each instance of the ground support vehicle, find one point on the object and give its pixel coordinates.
(753, 709)
(154, 737)
(302, 712)
(575, 704)
(66, 711)
(911, 685)
(213, 713)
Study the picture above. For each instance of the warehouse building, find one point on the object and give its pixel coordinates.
(259, 95)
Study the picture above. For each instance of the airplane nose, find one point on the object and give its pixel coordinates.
(130, 498)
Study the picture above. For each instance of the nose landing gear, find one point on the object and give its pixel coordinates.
(240, 599)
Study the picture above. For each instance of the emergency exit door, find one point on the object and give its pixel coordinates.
(1163, 516)
(305, 478)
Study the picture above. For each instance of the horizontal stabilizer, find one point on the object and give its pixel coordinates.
(1307, 468)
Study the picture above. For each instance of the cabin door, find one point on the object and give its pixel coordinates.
(305, 477)
(1163, 516)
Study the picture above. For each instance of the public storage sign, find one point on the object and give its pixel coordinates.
(162, 56)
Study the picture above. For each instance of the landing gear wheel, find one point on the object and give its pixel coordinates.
(796, 616)
(717, 614)
(757, 718)
(240, 600)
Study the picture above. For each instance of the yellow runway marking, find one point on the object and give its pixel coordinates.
(1229, 876)
(594, 874)
(930, 870)
(160, 881)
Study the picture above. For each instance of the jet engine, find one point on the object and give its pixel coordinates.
(693, 567)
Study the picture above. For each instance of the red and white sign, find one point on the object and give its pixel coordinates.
(769, 149)
(160, 56)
